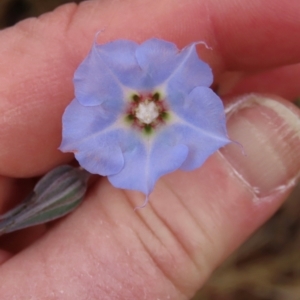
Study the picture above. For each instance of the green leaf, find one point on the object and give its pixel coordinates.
(56, 194)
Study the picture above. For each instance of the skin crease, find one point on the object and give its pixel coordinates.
(105, 250)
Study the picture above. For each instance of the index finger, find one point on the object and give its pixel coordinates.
(39, 57)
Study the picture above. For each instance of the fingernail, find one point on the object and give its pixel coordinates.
(269, 131)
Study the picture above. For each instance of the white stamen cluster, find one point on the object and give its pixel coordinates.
(147, 112)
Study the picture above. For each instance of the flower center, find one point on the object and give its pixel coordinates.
(147, 112)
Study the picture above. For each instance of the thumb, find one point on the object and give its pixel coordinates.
(194, 220)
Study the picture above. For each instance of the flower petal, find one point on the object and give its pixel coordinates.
(200, 144)
(81, 121)
(119, 57)
(89, 133)
(190, 73)
(158, 59)
(94, 82)
(201, 125)
(164, 62)
(147, 162)
(203, 109)
(101, 153)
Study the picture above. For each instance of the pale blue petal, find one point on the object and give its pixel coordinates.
(146, 162)
(203, 109)
(200, 144)
(94, 81)
(202, 125)
(164, 62)
(167, 155)
(119, 57)
(90, 134)
(80, 121)
(158, 59)
(132, 176)
(101, 153)
(190, 73)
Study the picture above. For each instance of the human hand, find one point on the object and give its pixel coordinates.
(194, 220)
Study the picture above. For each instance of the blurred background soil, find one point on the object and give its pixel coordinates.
(12, 11)
(267, 266)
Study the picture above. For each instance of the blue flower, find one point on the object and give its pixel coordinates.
(142, 111)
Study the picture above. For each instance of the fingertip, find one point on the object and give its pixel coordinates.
(4, 256)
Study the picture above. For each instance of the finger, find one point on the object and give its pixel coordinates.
(256, 34)
(17, 241)
(12, 191)
(193, 221)
(6, 188)
(283, 81)
(39, 56)
(4, 256)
